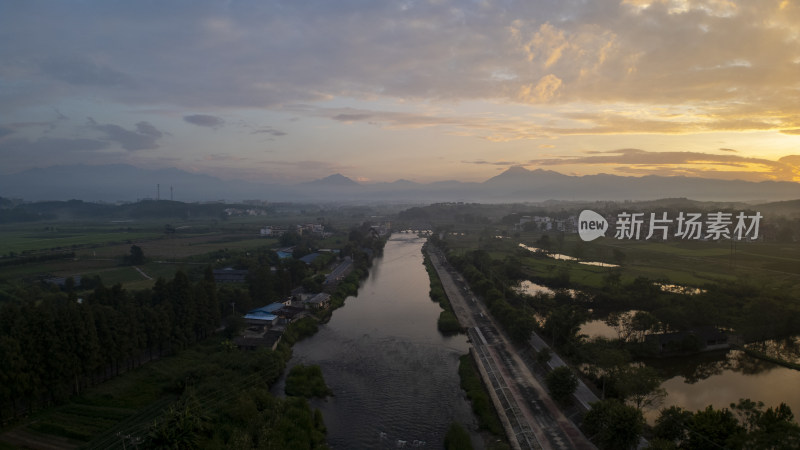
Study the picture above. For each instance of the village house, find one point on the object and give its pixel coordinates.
(318, 302)
(690, 341)
(269, 339)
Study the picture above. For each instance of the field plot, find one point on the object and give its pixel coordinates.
(105, 413)
(690, 263)
(99, 250)
(27, 241)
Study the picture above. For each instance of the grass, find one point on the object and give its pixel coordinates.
(692, 263)
(20, 241)
(102, 254)
(482, 404)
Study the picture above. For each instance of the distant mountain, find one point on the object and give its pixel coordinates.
(336, 180)
(788, 208)
(517, 184)
(517, 177)
(122, 182)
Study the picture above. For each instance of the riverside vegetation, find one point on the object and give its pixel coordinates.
(107, 367)
(487, 254)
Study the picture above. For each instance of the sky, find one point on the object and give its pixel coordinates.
(291, 91)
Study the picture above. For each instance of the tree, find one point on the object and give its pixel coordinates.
(619, 256)
(544, 242)
(179, 428)
(640, 385)
(671, 424)
(544, 355)
(561, 382)
(712, 428)
(137, 255)
(773, 428)
(563, 324)
(604, 359)
(614, 425)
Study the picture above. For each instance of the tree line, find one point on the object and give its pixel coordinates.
(54, 344)
(489, 279)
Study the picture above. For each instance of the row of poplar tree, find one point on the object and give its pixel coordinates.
(54, 344)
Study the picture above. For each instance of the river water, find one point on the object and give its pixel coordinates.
(394, 376)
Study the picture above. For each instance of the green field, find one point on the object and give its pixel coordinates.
(99, 249)
(690, 263)
(19, 241)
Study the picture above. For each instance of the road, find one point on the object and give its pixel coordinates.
(532, 419)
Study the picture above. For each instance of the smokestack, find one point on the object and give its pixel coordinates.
(170, 193)
(158, 192)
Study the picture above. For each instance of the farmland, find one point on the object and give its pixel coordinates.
(88, 247)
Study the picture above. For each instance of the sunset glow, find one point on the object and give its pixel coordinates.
(425, 91)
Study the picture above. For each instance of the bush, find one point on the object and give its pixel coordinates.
(476, 392)
(306, 381)
(614, 425)
(448, 323)
(457, 438)
(561, 383)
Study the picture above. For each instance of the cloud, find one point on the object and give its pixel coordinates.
(544, 91)
(256, 55)
(144, 138)
(82, 72)
(351, 117)
(204, 120)
(492, 163)
(269, 130)
(47, 146)
(314, 166)
(148, 129)
(659, 163)
(494, 71)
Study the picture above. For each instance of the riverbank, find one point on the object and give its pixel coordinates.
(530, 417)
(392, 372)
(765, 357)
(447, 323)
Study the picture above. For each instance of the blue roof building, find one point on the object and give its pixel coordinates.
(262, 316)
(308, 259)
(269, 309)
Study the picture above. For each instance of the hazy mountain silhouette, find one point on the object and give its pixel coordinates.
(517, 184)
(336, 180)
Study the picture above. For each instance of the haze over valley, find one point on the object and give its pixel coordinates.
(112, 183)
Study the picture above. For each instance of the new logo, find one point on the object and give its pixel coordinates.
(591, 225)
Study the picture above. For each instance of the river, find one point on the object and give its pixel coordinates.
(394, 376)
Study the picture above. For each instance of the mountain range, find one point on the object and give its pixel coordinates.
(122, 182)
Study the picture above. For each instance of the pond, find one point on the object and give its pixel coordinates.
(561, 257)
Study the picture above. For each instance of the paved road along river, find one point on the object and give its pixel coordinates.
(534, 419)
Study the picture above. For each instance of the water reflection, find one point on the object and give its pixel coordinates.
(394, 376)
(527, 287)
(561, 257)
(678, 289)
(787, 349)
(723, 377)
(598, 328)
